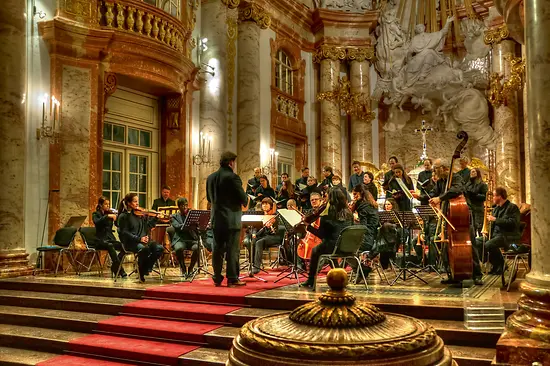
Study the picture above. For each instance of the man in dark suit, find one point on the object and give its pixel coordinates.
(164, 200)
(389, 174)
(225, 192)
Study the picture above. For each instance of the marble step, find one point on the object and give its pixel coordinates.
(472, 356)
(22, 357)
(205, 356)
(34, 338)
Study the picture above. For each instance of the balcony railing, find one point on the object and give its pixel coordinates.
(142, 19)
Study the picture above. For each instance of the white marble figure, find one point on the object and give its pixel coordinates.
(355, 6)
(474, 30)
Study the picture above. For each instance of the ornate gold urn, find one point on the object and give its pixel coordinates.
(337, 330)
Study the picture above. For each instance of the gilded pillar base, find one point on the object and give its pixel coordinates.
(14, 263)
(527, 336)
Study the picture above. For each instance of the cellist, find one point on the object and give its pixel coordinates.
(441, 196)
(310, 241)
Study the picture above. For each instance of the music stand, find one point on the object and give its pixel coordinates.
(197, 220)
(253, 222)
(426, 212)
(289, 219)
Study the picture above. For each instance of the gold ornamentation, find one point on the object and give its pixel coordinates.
(343, 53)
(110, 83)
(231, 4)
(232, 30)
(360, 54)
(130, 19)
(139, 21)
(354, 104)
(109, 15)
(496, 35)
(156, 27)
(499, 89)
(162, 32)
(253, 12)
(286, 106)
(120, 16)
(148, 25)
(168, 38)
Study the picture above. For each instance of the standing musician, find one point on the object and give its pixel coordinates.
(505, 229)
(389, 174)
(338, 218)
(253, 184)
(185, 238)
(357, 176)
(134, 227)
(104, 218)
(284, 178)
(368, 182)
(225, 192)
(303, 179)
(164, 200)
(337, 183)
(440, 196)
(464, 171)
(425, 182)
(265, 190)
(310, 241)
(327, 180)
(395, 190)
(476, 194)
(271, 235)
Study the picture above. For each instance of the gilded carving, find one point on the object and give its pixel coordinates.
(354, 104)
(156, 27)
(360, 54)
(109, 15)
(130, 21)
(148, 25)
(139, 21)
(168, 37)
(499, 88)
(231, 4)
(99, 14)
(162, 31)
(120, 16)
(343, 53)
(232, 30)
(80, 8)
(496, 35)
(253, 12)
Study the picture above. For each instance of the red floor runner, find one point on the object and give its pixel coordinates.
(66, 360)
(131, 349)
(157, 328)
(205, 291)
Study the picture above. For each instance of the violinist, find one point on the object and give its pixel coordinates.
(264, 190)
(271, 235)
(442, 197)
(368, 182)
(185, 238)
(103, 219)
(338, 218)
(476, 194)
(395, 190)
(134, 229)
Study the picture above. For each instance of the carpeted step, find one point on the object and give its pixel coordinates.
(69, 360)
(179, 310)
(132, 349)
(22, 357)
(158, 328)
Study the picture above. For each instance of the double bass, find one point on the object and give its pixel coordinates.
(459, 245)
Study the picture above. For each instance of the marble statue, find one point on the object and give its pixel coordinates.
(416, 70)
(354, 6)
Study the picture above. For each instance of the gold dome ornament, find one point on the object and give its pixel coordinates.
(338, 330)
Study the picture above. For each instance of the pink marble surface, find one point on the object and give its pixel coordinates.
(360, 130)
(331, 134)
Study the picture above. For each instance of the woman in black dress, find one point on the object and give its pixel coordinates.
(103, 219)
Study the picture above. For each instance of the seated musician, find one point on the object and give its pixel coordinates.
(270, 236)
(395, 190)
(286, 192)
(368, 182)
(389, 237)
(264, 190)
(440, 195)
(309, 241)
(185, 238)
(337, 183)
(338, 218)
(134, 233)
(164, 200)
(104, 218)
(291, 205)
(505, 229)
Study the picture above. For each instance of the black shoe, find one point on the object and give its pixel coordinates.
(497, 271)
(478, 281)
(142, 278)
(124, 275)
(306, 284)
(449, 281)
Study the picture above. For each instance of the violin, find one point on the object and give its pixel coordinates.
(150, 213)
(312, 217)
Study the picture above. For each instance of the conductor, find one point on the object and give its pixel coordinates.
(225, 193)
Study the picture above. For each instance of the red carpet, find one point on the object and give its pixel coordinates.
(131, 349)
(67, 360)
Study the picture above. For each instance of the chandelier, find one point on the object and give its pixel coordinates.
(354, 104)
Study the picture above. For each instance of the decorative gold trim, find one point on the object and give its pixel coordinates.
(499, 89)
(231, 4)
(343, 53)
(253, 12)
(496, 35)
(354, 104)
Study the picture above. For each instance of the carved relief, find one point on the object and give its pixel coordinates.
(355, 6)
(343, 53)
(286, 106)
(254, 12)
(496, 35)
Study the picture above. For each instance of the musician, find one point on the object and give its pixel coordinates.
(395, 190)
(185, 238)
(225, 192)
(337, 183)
(464, 171)
(310, 241)
(264, 190)
(368, 182)
(286, 192)
(284, 178)
(327, 181)
(442, 196)
(357, 176)
(339, 217)
(271, 236)
(303, 179)
(253, 184)
(103, 219)
(476, 194)
(389, 174)
(425, 182)
(306, 192)
(505, 228)
(291, 205)
(134, 233)
(164, 200)
(389, 237)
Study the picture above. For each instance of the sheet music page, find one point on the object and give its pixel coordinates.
(253, 198)
(404, 188)
(293, 217)
(302, 186)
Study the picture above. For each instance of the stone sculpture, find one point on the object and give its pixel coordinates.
(354, 6)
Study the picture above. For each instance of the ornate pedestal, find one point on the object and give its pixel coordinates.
(14, 263)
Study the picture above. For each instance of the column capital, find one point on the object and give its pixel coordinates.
(255, 13)
(338, 53)
(231, 4)
(496, 35)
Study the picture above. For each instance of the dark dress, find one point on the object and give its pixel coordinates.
(106, 240)
(395, 192)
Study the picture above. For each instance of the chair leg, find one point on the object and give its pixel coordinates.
(360, 270)
(59, 259)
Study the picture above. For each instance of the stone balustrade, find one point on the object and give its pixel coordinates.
(144, 20)
(286, 106)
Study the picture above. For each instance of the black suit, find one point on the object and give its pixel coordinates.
(425, 176)
(160, 202)
(105, 238)
(225, 192)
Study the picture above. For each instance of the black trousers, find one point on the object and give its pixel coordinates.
(180, 247)
(111, 247)
(492, 247)
(262, 243)
(226, 242)
(324, 248)
(147, 255)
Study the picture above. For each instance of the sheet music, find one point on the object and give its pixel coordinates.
(293, 217)
(253, 198)
(256, 218)
(404, 188)
(302, 186)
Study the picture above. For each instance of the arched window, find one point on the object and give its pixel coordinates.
(283, 73)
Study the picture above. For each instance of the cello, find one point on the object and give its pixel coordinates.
(459, 245)
(310, 241)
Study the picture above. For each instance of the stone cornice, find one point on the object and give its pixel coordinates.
(323, 18)
(336, 53)
(496, 35)
(255, 13)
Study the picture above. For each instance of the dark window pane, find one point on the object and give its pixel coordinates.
(142, 200)
(116, 161)
(143, 165)
(107, 194)
(106, 180)
(133, 163)
(106, 160)
(133, 136)
(118, 133)
(145, 138)
(115, 200)
(133, 183)
(107, 131)
(116, 181)
(143, 183)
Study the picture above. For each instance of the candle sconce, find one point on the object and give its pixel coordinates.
(205, 150)
(271, 167)
(47, 130)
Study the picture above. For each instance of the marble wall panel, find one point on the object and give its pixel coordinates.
(75, 143)
(331, 132)
(360, 130)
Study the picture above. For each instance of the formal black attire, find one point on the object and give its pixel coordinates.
(265, 192)
(251, 187)
(301, 180)
(387, 177)
(327, 182)
(464, 174)
(343, 190)
(185, 238)
(425, 177)
(371, 187)
(106, 240)
(225, 192)
(267, 238)
(131, 229)
(476, 193)
(304, 203)
(160, 202)
(354, 180)
(395, 192)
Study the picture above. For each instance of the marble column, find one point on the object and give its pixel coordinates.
(331, 133)
(527, 156)
(213, 96)
(527, 335)
(361, 130)
(248, 99)
(507, 129)
(13, 79)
